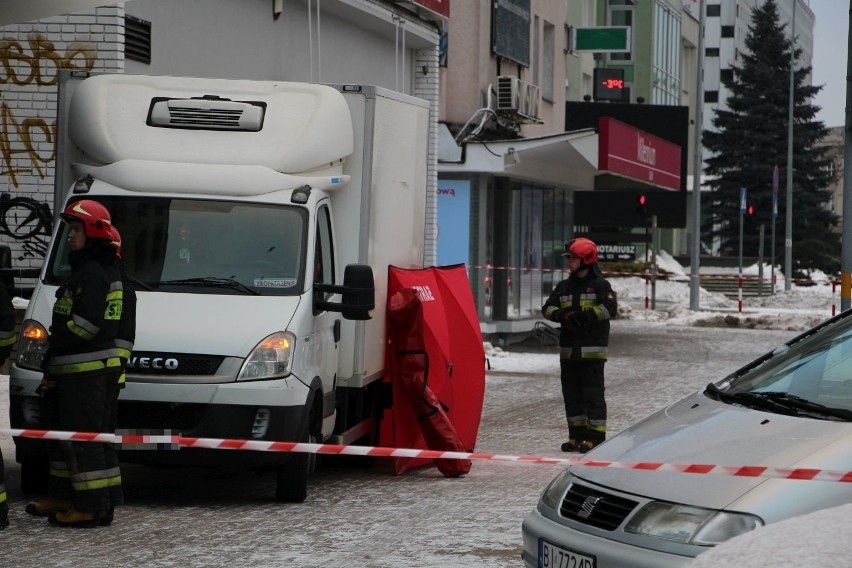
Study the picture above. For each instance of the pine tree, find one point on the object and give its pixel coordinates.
(751, 138)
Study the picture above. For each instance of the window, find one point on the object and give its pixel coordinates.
(727, 75)
(324, 255)
(137, 39)
(621, 14)
(711, 52)
(548, 55)
(665, 89)
(714, 10)
(727, 31)
(536, 58)
(711, 96)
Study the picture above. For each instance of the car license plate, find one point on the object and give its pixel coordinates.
(552, 556)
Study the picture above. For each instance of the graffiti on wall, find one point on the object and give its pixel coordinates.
(25, 219)
(28, 134)
(39, 62)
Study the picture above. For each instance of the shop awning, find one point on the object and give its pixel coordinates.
(570, 159)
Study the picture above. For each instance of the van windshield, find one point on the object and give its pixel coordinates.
(812, 376)
(203, 246)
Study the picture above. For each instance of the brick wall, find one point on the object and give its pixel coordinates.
(31, 56)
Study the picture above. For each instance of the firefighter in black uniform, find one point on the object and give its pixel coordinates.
(82, 366)
(583, 304)
(7, 340)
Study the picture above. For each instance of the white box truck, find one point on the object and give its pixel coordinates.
(258, 219)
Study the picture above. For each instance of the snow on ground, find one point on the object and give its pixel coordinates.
(797, 309)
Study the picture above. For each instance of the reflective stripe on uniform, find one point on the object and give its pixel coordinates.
(96, 479)
(82, 327)
(7, 338)
(84, 357)
(2, 493)
(59, 469)
(70, 369)
(585, 352)
(593, 352)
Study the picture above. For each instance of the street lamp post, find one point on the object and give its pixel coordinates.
(694, 265)
(788, 233)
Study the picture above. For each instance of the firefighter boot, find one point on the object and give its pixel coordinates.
(571, 445)
(4, 520)
(75, 519)
(47, 507)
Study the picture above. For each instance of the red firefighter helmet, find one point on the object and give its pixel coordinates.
(115, 240)
(582, 248)
(94, 216)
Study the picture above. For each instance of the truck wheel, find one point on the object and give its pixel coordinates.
(34, 475)
(291, 484)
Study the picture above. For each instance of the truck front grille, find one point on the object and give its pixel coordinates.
(595, 508)
(142, 363)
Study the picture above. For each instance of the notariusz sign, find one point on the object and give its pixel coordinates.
(617, 252)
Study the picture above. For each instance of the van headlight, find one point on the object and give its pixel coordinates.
(690, 525)
(272, 358)
(554, 491)
(32, 345)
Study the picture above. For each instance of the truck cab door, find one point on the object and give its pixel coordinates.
(327, 323)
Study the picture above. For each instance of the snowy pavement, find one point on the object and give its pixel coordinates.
(369, 517)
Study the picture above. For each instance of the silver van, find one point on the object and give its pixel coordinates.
(789, 409)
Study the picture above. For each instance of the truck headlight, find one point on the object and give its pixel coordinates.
(690, 525)
(32, 345)
(272, 358)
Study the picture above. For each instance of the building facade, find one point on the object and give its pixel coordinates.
(390, 44)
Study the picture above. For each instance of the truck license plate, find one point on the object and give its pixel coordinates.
(552, 556)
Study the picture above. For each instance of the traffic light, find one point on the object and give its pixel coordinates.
(749, 214)
(642, 206)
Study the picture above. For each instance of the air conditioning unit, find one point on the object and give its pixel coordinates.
(529, 95)
(508, 92)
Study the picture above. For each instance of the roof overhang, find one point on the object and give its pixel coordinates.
(562, 160)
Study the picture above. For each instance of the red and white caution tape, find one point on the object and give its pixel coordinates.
(260, 446)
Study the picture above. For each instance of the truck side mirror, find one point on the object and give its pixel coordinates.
(358, 291)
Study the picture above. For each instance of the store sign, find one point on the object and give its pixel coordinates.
(633, 153)
(441, 7)
(610, 39)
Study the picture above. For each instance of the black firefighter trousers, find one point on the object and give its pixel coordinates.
(85, 473)
(583, 395)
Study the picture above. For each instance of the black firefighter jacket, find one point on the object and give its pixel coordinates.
(594, 298)
(86, 317)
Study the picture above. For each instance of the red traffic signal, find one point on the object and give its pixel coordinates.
(642, 205)
(750, 210)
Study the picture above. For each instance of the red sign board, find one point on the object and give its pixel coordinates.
(633, 153)
(441, 7)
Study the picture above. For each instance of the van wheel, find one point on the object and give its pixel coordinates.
(291, 484)
(35, 472)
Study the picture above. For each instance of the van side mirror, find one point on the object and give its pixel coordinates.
(358, 291)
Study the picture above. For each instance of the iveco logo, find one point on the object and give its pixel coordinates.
(588, 506)
(152, 363)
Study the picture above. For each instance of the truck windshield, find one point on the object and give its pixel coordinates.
(202, 246)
